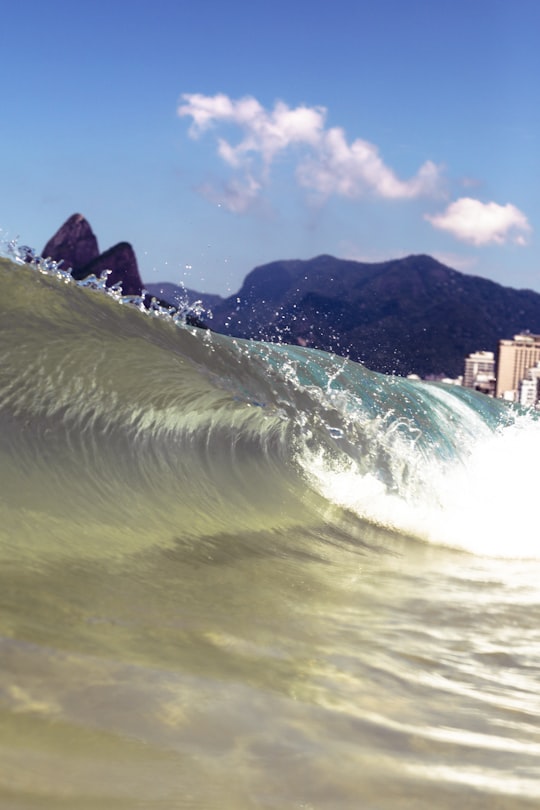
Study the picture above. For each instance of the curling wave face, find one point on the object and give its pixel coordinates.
(113, 417)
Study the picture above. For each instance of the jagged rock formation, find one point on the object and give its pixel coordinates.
(121, 261)
(76, 245)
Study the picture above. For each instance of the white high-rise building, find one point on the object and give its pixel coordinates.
(528, 393)
(529, 388)
(479, 372)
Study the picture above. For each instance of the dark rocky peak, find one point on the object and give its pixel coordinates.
(74, 244)
(121, 261)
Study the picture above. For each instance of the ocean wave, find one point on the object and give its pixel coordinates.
(119, 421)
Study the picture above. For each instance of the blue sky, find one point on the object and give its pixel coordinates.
(216, 136)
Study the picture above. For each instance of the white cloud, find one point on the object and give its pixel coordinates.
(351, 170)
(264, 132)
(483, 223)
(327, 164)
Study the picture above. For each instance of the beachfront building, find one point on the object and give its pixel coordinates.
(516, 358)
(528, 393)
(529, 388)
(479, 372)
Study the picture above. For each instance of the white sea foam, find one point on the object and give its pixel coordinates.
(484, 503)
(489, 506)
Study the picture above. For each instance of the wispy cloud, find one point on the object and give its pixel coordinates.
(351, 170)
(265, 132)
(481, 223)
(326, 163)
(237, 194)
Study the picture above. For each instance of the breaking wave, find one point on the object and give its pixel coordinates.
(112, 416)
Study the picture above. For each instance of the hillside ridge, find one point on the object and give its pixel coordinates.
(399, 316)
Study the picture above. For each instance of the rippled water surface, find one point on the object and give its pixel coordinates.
(390, 675)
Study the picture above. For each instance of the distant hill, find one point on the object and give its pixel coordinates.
(411, 315)
(177, 295)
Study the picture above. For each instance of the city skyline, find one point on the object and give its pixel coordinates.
(215, 138)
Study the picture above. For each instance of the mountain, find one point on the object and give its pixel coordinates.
(411, 315)
(74, 243)
(177, 296)
(121, 262)
(76, 246)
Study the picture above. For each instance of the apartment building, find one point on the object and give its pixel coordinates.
(479, 372)
(516, 358)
